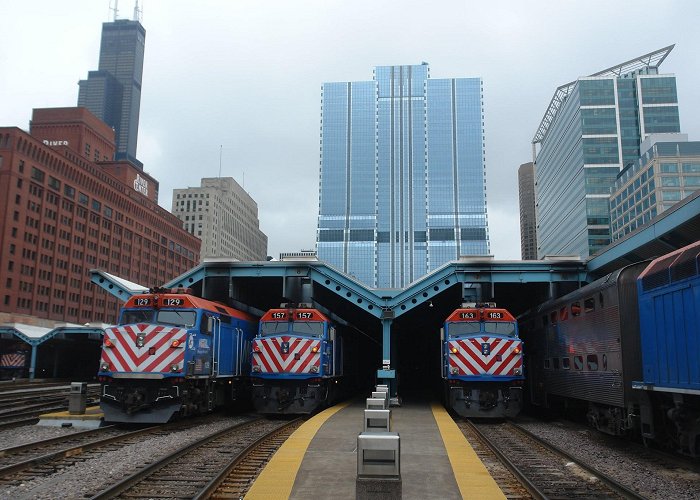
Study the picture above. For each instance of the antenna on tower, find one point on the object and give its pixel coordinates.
(138, 12)
(114, 9)
(220, 150)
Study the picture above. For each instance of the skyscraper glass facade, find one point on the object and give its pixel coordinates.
(592, 129)
(113, 93)
(402, 184)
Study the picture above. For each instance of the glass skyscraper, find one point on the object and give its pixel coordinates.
(592, 129)
(113, 93)
(402, 181)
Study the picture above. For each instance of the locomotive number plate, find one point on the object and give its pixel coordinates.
(485, 348)
(285, 347)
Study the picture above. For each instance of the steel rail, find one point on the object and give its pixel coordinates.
(129, 481)
(619, 488)
(72, 451)
(524, 480)
(212, 486)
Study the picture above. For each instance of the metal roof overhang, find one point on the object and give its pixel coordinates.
(114, 285)
(673, 229)
(380, 303)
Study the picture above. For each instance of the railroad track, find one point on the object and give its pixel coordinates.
(237, 477)
(20, 405)
(543, 470)
(23, 463)
(233, 455)
(10, 457)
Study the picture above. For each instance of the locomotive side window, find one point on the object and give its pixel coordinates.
(565, 364)
(553, 317)
(578, 362)
(547, 364)
(576, 309)
(207, 324)
(592, 362)
(589, 305)
(555, 363)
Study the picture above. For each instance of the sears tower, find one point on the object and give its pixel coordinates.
(113, 92)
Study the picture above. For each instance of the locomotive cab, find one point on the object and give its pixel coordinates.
(296, 361)
(482, 364)
(173, 354)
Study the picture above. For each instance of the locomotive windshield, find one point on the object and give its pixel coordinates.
(500, 328)
(131, 317)
(473, 327)
(299, 327)
(185, 319)
(308, 328)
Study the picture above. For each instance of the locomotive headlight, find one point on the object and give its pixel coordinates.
(175, 367)
(256, 348)
(108, 342)
(314, 369)
(256, 369)
(454, 350)
(314, 349)
(517, 350)
(454, 370)
(104, 367)
(518, 371)
(175, 343)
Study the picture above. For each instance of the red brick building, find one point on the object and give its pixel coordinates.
(66, 207)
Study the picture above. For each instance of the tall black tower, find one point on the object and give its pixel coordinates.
(113, 92)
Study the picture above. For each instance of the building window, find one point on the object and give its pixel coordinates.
(669, 168)
(37, 174)
(670, 182)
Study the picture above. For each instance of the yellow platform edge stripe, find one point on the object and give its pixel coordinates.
(277, 478)
(473, 480)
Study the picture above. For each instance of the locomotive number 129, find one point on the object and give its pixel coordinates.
(172, 302)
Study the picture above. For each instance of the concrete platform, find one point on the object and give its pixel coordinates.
(91, 419)
(320, 459)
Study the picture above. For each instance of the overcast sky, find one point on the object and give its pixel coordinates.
(246, 76)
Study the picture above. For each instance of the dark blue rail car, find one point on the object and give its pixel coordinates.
(669, 313)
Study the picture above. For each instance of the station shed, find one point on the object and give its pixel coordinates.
(62, 350)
